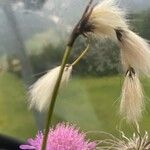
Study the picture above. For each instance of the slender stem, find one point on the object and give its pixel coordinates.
(80, 57)
(54, 96)
(77, 31)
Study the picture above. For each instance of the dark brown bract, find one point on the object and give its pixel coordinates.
(83, 26)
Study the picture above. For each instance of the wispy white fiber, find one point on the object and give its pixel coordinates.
(107, 16)
(136, 142)
(135, 52)
(41, 91)
(132, 100)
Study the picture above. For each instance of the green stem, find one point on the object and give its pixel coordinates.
(81, 56)
(54, 96)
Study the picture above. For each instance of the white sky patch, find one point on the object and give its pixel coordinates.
(18, 6)
(49, 5)
(69, 28)
(54, 18)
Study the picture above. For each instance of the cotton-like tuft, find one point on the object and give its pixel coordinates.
(132, 100)
(107, 16)
(135, 52)
(63, 137)
(40, 92)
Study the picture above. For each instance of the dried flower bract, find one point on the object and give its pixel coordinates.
(137, 142)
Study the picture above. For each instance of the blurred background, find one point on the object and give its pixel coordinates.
(33, 35)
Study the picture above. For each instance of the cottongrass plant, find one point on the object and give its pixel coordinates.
(100, 19)
(105, 20)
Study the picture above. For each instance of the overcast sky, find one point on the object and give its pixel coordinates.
(57, 15)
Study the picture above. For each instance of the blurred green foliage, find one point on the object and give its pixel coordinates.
(93, 107)
(15, 119)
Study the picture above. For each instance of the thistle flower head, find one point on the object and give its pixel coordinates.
(63, 137)
(132, 102)
(136, 142)
(41, 91)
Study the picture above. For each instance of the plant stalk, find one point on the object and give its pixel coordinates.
(81, 56)
(54, 96)
(77, 31)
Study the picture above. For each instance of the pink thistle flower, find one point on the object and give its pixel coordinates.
(62, 137)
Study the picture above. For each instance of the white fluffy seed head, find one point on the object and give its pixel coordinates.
(132, 101)
(40, 92)
(107, 16)
(135, 52)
